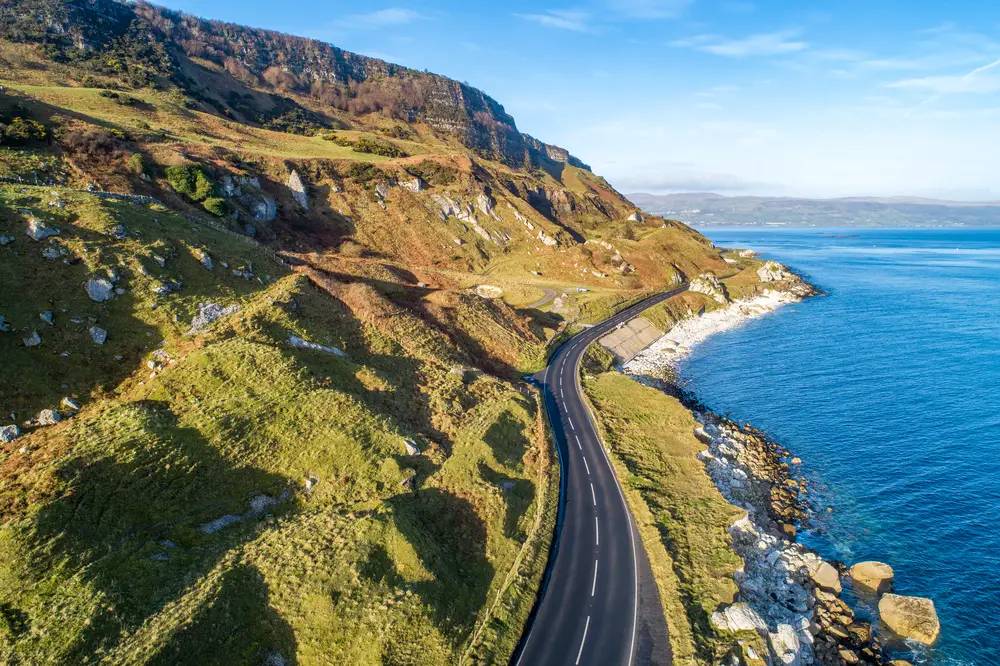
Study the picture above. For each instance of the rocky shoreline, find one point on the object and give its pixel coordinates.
(789, 595)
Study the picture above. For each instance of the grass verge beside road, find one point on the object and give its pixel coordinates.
(682, 518)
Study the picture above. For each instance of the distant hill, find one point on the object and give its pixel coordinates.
(707, 208)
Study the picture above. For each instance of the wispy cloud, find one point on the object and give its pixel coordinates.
(381, 18)
(979, 80)
(762, 44)
(649, 9)
(562, 19)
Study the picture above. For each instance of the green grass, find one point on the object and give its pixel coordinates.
(682, 517)
(388, 559)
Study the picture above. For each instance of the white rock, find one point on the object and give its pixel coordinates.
(784, 644)
(488, 291)
(70, 403)
(38, 230)
(98, 335)
(208, 313)
(9, 433)
(32, 340)
(298, 188)
(99, 289)
(296, 341)
(411, 447)
(738, 617)
(48, 417)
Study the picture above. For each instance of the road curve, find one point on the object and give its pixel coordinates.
(598, 604)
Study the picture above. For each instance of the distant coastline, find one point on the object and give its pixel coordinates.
(710, 209)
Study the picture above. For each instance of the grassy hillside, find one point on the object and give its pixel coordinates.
(287, 363)
(347, 545)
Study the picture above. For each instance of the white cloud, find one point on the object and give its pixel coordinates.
(762, 44)
(562, 19)
(382, 18)
(978, 80)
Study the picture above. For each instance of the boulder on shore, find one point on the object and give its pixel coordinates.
(825, 576)
(910, 617)
(738, 617)
(874, 577)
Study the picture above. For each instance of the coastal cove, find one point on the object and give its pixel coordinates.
(886, 388)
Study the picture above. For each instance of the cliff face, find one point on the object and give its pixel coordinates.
(97, 29)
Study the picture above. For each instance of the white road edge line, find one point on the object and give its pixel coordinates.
(586, 465)
(593, 588)
(585, 628)
(592, 495)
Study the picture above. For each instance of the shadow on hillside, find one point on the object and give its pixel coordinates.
(507, 439)
(238, 628)
(152, 481)
(450, 540)
(518, 496)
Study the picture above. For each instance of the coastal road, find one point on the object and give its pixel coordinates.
(599, 605)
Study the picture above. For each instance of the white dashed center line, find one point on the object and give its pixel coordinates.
(586, 465)
(571, 426)
(593, 588)
(578, 442)
(597, 532)
(585, 628)
(592, 495)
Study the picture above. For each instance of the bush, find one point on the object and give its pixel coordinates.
(137, 163)
(191, 181)
(216, 206)
(119, 98)
(434, 173)
(375, 146)
(20, 131)
(337, 139)
(363, 172)
(95, 146)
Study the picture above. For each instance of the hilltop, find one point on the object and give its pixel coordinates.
(706, 208)
(266, 308)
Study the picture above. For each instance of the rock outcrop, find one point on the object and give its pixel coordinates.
(873, 577)
(708, 284)
(298, 189)
(913, 618)
(772, 271)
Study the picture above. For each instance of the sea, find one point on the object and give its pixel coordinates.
(888, 389)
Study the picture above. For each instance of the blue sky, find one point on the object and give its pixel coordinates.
(733, 96)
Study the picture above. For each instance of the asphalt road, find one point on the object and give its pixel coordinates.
(599, 605)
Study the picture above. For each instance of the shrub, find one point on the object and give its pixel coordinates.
(337, 139)
(191, 181)
(434, 173)
(137, 163)
(363, 172)
(375, 146)
(21, 130)
(351, 249)
(119, 98)
(96, 146)
(216, 206)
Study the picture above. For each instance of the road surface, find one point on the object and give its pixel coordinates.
(599, 605)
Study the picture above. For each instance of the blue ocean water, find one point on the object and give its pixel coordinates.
(888, 388)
